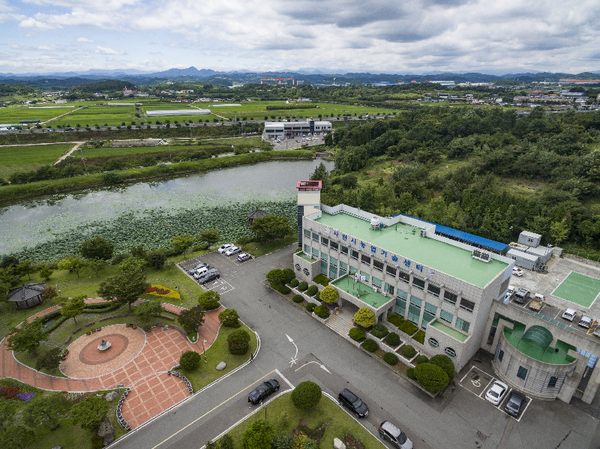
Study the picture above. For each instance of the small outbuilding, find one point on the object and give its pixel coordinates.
(27, 296)
(256, 213)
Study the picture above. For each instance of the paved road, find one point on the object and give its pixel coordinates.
(459, 419)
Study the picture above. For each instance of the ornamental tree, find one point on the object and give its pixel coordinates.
(270, 227)
(97, 248)
(72, 307)
(329, 295)
(364, 317)
(27, 337)
(191, 319)
(431, 377)
(181, 243)
(209, 300)
(258, 435)
(229, 318)
(90, 412)
(124, 288)
(147, 309)
(306, 395)
(73, 264)
(238, 342)
(190, 360)
(46, 411)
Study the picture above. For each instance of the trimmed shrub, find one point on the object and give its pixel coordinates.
(421, 359)
(294, 283)
(298, 299)
(370, 345)
(312, 290)
(310, 307)
(306, 395)
(408, 328)
(419, 336)
(395, 319)
(329, 294)
(317, 296)
(322, 279)
(284, 289)
(230, 318)
(444, 362)
(239, 342)
(302, 286)
(379, 331)
(408, 351)
(289, 275)
(392, 339)
(390, 358)
(364, 317)
(431, 377)
(410, 373)
(190, 360)
(357, 334)
(322, 311)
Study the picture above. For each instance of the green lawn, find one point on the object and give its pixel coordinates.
(285, 417)
(32, 154)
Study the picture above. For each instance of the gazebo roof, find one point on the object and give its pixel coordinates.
(257, 213)
(25, 292)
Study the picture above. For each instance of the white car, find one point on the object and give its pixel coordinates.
(517, 272)
(585, 321)
(510, 292)
(225, 247)
(569, 314)
(232, 250)
(496, 392)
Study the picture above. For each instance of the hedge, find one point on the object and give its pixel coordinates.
(390, 358)
(302, 286)
(408, 328)
(431, 377)
(310, 307)
(312, 290)
(370, 345)
(298, 299)
(322, 311)
(284, 289)
(294, 283)
(421, 359)
(321, 279)
(395, 319)
(357, 334)
(408, 351)
(419, 336)
(379, 331)
(392, 339)
(444, 362)
(410, 372)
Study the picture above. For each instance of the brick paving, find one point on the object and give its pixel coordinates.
(139, 360)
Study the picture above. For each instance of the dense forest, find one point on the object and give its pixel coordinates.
(483, 171)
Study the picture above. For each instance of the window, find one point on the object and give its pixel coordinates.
(315, 237)
(418, 283)
(306, 272)
(462, 324)
(354, 254)
(306, 249)
(343, 268)
(402, 294)
(306, 233)
(414, 310)
(366, 276)
(404, 276)
(445, 316)
(450, 297)
(552, 382)
(324, 267)
(324, 241)
(344, 250)
(378, 265)
(297, 266)
(390, 270)
(333, 261)
(365, 259)
(428, 314)
(400, 308)
(376, 282)
(389, 289)
(433, 342)
(333, 245)
(315, 252)
(522, 373)
(466, 304)
(324, 256)
(433, 289)
(500, 355)
(450, 352)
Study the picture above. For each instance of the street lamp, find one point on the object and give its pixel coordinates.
(204, 350)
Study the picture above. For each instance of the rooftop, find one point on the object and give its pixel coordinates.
(363, 292)
(448, 330)
(405, 240)
(537, 348)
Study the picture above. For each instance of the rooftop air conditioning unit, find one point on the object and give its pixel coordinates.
(423, 233)
(481, 255)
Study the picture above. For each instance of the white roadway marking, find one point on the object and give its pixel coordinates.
(323, 367)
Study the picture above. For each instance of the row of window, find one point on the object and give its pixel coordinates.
(522, 372)
(429, 312)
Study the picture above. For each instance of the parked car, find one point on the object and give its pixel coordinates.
(211, 275)
(585, 321)
(517, 272)
(515, 404)
(197, 267)
(597, 332)
(353, 402)
(569, 314)
(388, 431)
(233, 250)
(535, 304)
(510, 292)
(200, 272)
(244, 257)
(496, 392)
(262, 391)
(521, 296)
(225, 247)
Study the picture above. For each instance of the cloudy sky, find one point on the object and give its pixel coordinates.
(336, 36)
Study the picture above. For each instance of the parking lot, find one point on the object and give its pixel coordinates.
(478, 382)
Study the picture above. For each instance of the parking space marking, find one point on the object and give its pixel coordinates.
(220, 286)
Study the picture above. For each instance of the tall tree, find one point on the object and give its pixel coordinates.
(73, 264)
(25, 267)
(259, 435)
(124, 287)
(72, 307)
(210, 236)
(47, 411)
(270, 227)
(90, 412)
(97, 248)
(181, 243)
(146, 310)
(27, 337)
(191, 319)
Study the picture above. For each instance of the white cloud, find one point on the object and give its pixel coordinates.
(36, 24)
(84, 39)
(107, 51)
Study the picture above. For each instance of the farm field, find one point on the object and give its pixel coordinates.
(98, 115)
(15, 114)
(29, 157)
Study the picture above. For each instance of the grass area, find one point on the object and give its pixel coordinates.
(99, 115)
(285, 417)
(219, 352)
(32, 154)
(14, 114)
(260, 249)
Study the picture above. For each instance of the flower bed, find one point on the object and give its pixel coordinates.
(16, 393)
(159, 290)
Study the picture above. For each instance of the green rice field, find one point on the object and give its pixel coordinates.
(32, 154)
(14, 114)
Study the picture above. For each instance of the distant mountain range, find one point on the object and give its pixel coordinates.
(309, 76)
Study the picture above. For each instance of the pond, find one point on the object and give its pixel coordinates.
(171, 204)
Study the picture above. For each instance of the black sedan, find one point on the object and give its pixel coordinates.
(262, 391)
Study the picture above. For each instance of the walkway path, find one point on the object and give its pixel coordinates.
(64, 156)
(139, 360)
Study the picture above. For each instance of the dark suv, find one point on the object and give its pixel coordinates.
(514, 405)
(353, 402)
(388, 431)
(521, 296)
(262, 391)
